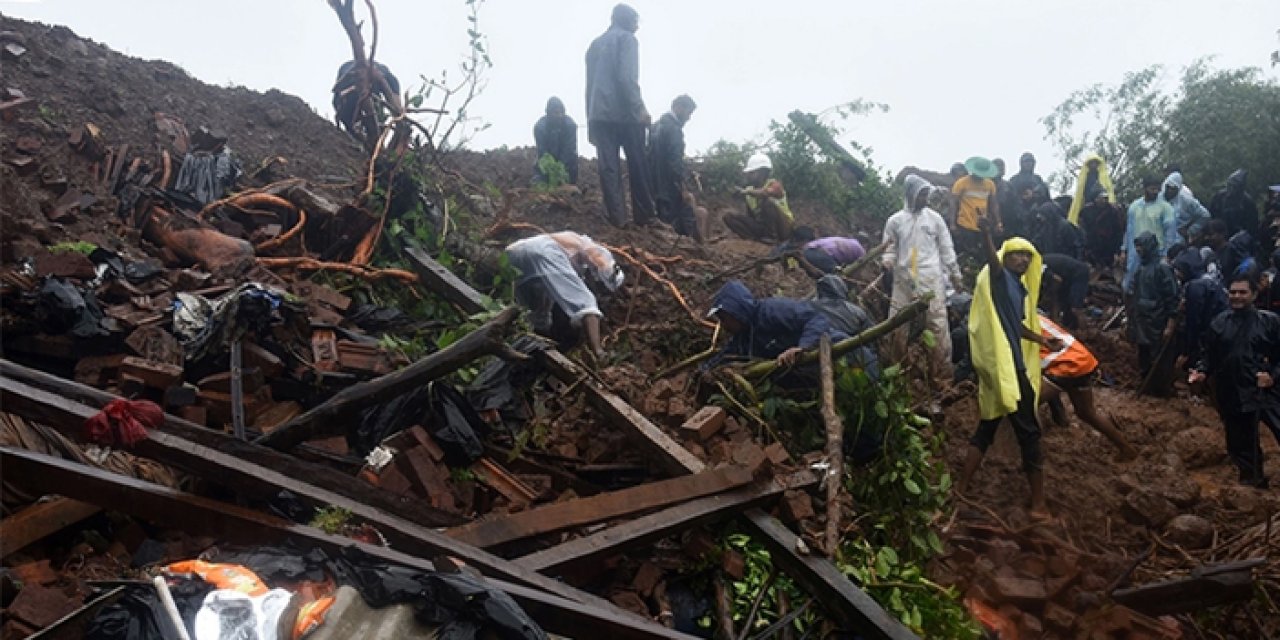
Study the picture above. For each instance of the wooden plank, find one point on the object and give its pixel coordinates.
(496, 531)
(442, 281)
(590, 550)
(41, 520)
(233, 523)
(68, 417)
(315, 474)
(843, 599)
(662, 450)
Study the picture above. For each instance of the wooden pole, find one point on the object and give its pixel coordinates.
(835, 446)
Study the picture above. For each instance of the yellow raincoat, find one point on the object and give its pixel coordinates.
(998, 392)
(1104, 179)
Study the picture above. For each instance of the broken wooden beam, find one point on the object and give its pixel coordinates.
(41, 520)
(558, 516)
(592, 549)
(195, 514)
(1207, 586)
(441, 281)
(265, 482)
(344, 407)
(68, 403)
(843, 599)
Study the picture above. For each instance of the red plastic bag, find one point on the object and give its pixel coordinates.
(124, 422)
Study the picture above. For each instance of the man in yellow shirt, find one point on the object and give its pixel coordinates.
(975, 199)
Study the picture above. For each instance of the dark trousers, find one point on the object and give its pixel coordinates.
(1025, 428)
(609, 137)
(821, 260)
(1242, 444)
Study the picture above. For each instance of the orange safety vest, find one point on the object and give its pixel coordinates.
(1073, 360)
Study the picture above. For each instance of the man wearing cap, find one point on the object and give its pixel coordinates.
(617, 118)
(767, 216)
(1004, 343)
(672, 198)
(1026, 177)
(552, 288)
(976, 199)
(556, 135)
(920, 257)
(1150, 213)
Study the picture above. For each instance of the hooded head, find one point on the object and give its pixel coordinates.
(1172, 186)
(1189, 264)
(1027, 163)
(624, 17)
(1147, 246)
(1047, 211)
(914, 186)
(734, 306)
(1235, 182)
(1095, 191)
(1021, 258)
(832, 287)
(555, 106)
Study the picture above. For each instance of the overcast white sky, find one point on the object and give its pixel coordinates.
(961, 78)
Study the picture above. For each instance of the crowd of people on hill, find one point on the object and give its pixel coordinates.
(1199, 283)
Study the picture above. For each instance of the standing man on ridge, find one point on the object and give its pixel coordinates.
(617, 118)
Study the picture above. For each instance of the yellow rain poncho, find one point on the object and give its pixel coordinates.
(998, 392)
(1104, 179)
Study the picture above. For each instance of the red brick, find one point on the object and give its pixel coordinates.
(705, 423)
(796, 506)
(41, 606)
(324, 349)
(65, 264)
(96, 371)
(156, 375)
(751, 456)
(16, 630)
(733, 564)
(38, 572)
(196, 414)
(256, 356)
(777, 454)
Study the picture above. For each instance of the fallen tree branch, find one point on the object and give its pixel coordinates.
(279, 240)
(835, 446)
(759, 262)
(675, 291)
(766, 367)
(871, 256)
(311, 264)
(341, 410)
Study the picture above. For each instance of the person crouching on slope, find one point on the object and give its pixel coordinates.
(1004, 342)
(1071, 370)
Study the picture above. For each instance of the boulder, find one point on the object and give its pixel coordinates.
(1199, 447)
(1147, 507)
(1190, 531)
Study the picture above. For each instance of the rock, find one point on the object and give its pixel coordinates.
(1024, 592)
(1182, 491)
(275, 117)
(41, 606)
(1239, 498)
(65, 264)
(1145, 506)
(630, 601)
(1124, 483)
(796, 506)
(1199, 447)
(1059, 617)
(1190, 531)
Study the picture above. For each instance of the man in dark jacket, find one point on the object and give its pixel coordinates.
(1103, 225)
(1203, 298)
(1063, 287)
(1026, 177)
(1233, 254)
(1155, 302)
(1242, 359)
(778, 328)
(556, 135)
(1051, 233)
(846, 317)
(617, 118)
(673, 200)
(1234, 207)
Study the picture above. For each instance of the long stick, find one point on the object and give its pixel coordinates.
(835, 446)
(904, 315)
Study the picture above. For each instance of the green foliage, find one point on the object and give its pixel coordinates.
(720, 170)
(331, 520)
(1216, 121)
(1225, 120)
(900, 495)
(807, 173)
(78, 246)
(1124, 123)
(553, 173)
(462, 474)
